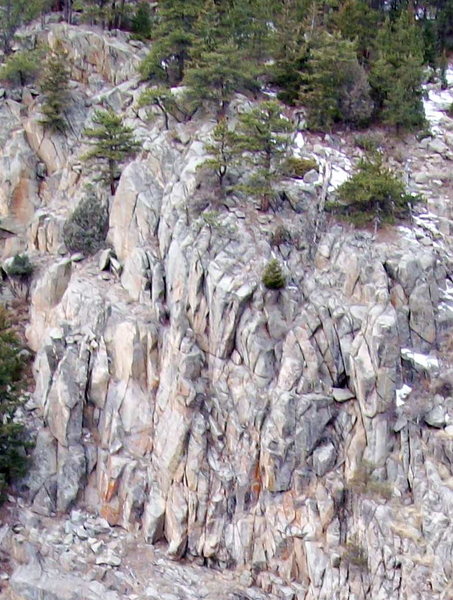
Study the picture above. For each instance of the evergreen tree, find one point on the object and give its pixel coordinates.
(175, 36)
(13, 459)
(87, 227)
(263, 136)
(358, 22)
(113, 143)
(397, 74)
(55, 90)
(21, 68)
(13, 14)
(216, 75)
(222, 151)
(273, 276)
(336, 86)
(168, 104)
(372, 193)
(251, 26)
(141, 22)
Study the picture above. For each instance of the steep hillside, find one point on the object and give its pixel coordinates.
(293, 443)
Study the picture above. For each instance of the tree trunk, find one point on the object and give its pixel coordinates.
(67, 11)
(112, 179)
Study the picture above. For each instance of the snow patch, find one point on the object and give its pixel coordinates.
(421, 362)
(339, 176)
(437, 102)
(401, 394)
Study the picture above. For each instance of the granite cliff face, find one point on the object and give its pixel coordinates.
(298, 441)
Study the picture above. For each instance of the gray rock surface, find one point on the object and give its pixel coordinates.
(195, 414)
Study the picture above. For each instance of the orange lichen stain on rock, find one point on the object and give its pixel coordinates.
(256, 481)
(20, 205)
(111, 512)
(111, 490)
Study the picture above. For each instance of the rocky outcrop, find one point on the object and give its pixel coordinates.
(301, 437)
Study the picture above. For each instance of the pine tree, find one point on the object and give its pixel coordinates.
(373, 192)
(217, 74)
(141, 22)
(174, 39)
(222, 151)
(263, 136)
(13, 460)
(113, 143)
(273, 276)
(397, 74)
(358, 22)
(168, 104)
(13, 14)
(336, 86)
(55, 90)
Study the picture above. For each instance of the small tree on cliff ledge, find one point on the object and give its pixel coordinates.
(113, 143)
(263, 135)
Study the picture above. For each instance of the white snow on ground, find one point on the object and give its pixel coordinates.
(438, 101)
(428, 221)
(299, 143)
(338, 177)
(447, 294)
(402, 393)
(420, 361)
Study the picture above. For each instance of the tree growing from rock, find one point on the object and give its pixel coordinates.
(167, 103)
(215, 75)
(222, 152)
(55, 90)
(21, 68)
(262, 137)
(372, 193)
(273, 276)
(112, 145)
(86, 229)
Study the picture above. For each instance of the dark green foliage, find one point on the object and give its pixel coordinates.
(298, 167)
(273, 276)
(214, 76)
(336, 86)
(20, 267)
(21, 68)
(168, 103)
(373, 193)
(358, 22)
(86, 229)
(13, 460)
(175, 36)
(106, 13)
(55, 90)
(450, 110)
(287, 76)
(112, 144)
(397, 74)
(222, 152)
(141, 22)
(13, 14)
(262, 138)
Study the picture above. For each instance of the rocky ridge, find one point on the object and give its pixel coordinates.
(299, 441)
